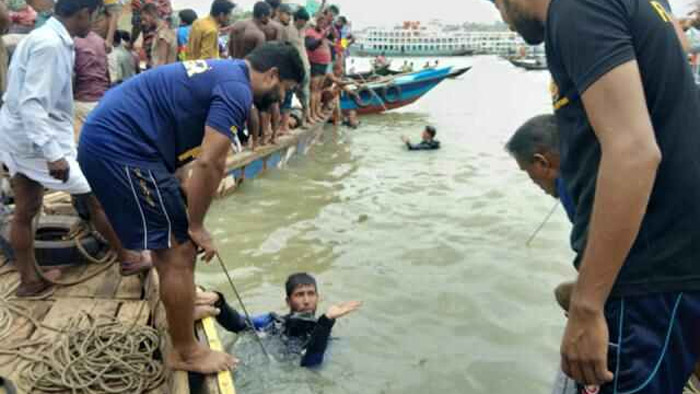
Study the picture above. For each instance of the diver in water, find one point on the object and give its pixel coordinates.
(300, 330)
(429, 142)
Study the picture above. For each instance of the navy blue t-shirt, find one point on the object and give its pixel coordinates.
(585, 39)
(159, 117)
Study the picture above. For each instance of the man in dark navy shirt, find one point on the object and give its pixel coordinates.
(148, 127)
(303, 334)
(628, 114)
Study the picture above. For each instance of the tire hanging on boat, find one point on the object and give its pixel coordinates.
(392, 93)
(54, 248)
(363, 97)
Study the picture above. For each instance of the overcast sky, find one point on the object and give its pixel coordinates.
(365, 13)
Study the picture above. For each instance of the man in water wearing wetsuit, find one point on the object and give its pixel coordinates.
(304, 333)
(428, 143)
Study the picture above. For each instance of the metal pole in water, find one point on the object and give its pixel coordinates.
(544, 222)
(240, 301)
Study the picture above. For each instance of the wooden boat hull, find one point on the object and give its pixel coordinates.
(378, 97)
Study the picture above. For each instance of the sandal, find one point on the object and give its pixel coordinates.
(39, 290)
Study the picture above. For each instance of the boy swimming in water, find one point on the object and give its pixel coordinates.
(428, 143)
(302, 331)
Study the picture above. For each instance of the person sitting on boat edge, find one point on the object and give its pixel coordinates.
(304, 334)
(428, 143)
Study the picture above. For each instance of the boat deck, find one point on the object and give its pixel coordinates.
(128, 299)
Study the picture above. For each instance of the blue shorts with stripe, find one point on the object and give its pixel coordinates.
(145, 206)
(654, 343)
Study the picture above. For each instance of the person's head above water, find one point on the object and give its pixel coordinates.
(77, 15)
(535, 146)
(262, 12)
(302, 293)
(429, 133)
(275, 68)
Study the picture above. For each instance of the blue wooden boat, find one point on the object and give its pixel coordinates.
(398, 91)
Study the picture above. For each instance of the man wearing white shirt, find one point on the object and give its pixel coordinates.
(36, 135)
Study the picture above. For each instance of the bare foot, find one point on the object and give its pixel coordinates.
(202, 311)
(137, 263)
(201, 360)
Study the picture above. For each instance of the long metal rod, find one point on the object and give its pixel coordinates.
(240, 301)
(544, 222)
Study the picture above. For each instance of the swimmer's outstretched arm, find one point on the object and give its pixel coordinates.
(315, 349)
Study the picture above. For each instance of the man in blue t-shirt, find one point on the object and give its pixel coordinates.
(628, 114)
(142, 132)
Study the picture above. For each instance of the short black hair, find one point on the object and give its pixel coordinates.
(285, 9)
(431, 130)
(117, 38)
(150, 9)
(274, 4)
(538, 135)
(282, 55)
(334, 9)
(125, 35)
(188, 16)
(299, 279)
(302, 15)
(219, 7)
(68, 8)
(261, 9)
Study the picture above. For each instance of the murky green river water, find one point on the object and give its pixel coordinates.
(432, 242)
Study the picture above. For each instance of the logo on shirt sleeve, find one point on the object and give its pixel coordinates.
(195, 67)
(661, 11)
(558, 101)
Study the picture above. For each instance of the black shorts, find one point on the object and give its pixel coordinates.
(145, 205)
(318, 70)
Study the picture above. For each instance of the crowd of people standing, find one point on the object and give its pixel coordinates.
(109, 56)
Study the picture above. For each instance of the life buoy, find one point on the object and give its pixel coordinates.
(392, 94)
(363, 97)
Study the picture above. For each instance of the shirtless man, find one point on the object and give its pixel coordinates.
(245, 36)
(274, 31)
